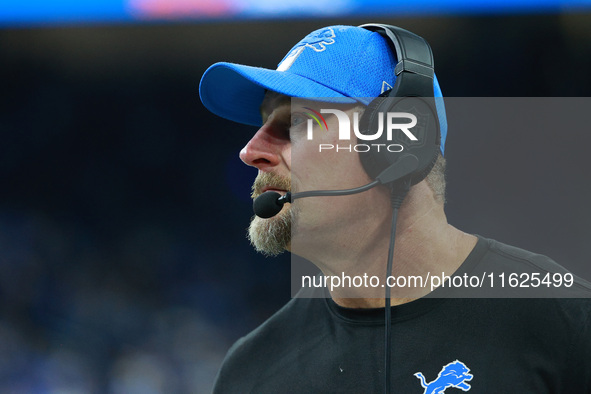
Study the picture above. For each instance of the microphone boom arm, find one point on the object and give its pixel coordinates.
(289, 197)
(406, 165)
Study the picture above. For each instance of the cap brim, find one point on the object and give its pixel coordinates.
(235, 91)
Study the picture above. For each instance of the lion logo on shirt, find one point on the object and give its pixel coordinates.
(454, 374)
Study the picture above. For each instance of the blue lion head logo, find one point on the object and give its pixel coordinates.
(454, 374)
(318, 40)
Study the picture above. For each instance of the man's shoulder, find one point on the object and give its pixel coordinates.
(300, 312)
(292, 315)
(520, 272)
(524, 257)
(270, 344)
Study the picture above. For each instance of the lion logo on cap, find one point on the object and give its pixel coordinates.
(317, 40)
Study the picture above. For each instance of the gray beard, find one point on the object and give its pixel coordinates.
(272, 236)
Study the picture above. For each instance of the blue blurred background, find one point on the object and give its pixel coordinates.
(124, 266)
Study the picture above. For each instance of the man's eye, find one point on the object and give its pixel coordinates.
(297, 119)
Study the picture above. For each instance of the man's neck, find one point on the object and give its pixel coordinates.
(426, 245)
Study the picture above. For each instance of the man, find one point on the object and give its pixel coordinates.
(330, 340)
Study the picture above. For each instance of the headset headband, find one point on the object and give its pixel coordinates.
(412, 90)
(413, 52)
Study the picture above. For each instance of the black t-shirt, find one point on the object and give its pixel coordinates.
(439, 345)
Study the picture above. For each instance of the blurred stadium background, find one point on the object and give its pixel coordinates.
(123, 206)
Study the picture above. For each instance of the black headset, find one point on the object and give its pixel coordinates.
(412, 93)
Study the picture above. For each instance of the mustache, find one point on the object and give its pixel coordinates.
(269, 179)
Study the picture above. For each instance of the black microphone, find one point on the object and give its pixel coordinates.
(270, 203)
(267, 204)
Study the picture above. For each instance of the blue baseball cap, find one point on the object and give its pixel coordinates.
(341, 64)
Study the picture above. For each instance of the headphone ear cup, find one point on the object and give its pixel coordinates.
(372, 162)
(385, 152)
(371, 110)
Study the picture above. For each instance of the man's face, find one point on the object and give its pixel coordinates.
(286, 161)
(269, 151)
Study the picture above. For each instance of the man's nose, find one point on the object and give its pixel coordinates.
(264, 149)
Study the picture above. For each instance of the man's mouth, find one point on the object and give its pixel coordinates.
(273, 189)
(266, 182)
